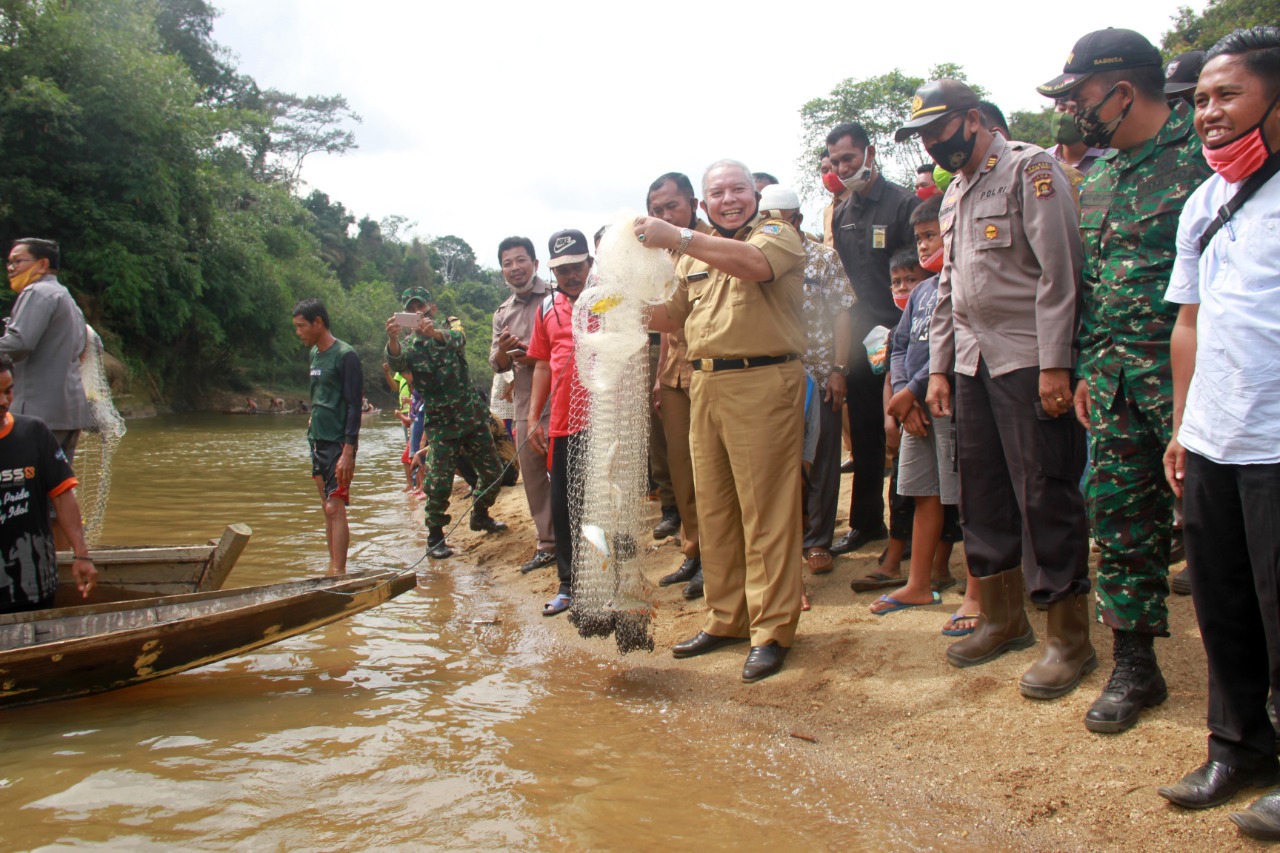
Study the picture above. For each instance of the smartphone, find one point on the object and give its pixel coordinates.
(408, 319)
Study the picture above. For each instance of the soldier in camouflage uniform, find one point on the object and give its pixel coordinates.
(456, 418)
(1130, 205)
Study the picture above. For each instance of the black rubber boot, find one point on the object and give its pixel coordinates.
(437, 548)
(1136, 683)
(483, 522)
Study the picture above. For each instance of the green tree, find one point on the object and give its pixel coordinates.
(1033, 126)
(1199, 31)
(457, 258)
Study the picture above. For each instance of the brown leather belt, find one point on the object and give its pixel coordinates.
(714, 364)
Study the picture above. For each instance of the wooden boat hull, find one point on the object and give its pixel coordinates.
(152, 570)
(75, 651)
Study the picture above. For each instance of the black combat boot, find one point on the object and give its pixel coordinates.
(437, 548)
(1136, 683)
(483, 522)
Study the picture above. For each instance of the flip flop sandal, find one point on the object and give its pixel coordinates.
(876, 580)
(896, 605)
(952, 631)
(820, 561)
(557, 605)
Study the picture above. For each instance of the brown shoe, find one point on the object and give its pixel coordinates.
(1068, 654)
(1002, 624)
(819, 560)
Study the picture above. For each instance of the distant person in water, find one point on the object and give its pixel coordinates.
(337, 390)
(38, 477)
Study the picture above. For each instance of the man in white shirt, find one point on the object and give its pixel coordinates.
(1224, 458)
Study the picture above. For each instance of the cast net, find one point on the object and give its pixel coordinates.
(98, 443)
(608, 475)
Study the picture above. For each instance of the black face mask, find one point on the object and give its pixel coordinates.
(1095, 132)
(726, 232)
(954, 151)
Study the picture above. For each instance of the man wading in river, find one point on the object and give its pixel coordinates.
(337, 392)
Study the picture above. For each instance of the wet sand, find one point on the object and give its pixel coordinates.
(889, 726)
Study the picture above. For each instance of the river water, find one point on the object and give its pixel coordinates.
(406, 727)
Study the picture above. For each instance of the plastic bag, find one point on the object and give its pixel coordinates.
(877, 344)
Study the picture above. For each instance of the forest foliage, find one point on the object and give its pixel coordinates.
(172, 182)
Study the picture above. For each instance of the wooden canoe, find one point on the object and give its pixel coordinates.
(151, 570)
(47, 655)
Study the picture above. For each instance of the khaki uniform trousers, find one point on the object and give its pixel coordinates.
(676, 412)
(746, 435)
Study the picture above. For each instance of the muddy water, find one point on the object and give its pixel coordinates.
(406, 727)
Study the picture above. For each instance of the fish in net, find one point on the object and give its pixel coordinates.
(609, 487)
(97, 444)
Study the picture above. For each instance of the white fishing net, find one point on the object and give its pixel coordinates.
(98, 443)
(609, 483)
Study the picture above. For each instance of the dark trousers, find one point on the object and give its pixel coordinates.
(822, 486)
(1232, 538)
(565, 458)
(1019, 498)
(902, 508)
(866, 428)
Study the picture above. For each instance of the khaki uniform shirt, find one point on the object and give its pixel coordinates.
(828, 214)
(517, 313)
(728, 317)
(1009, 292)
(676, 372)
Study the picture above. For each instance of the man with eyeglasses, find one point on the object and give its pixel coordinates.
(1113, 88)
(45, 337)
(1008, 309)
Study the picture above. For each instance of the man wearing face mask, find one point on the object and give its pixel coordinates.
(1224, 458)
(1129, 219)
(739, 297)
(926, 187)
(1005, 322)
(45, 337)
(872, 225)
(832, 183)
(512, 331)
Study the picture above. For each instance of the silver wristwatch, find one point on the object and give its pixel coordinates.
(686, 237)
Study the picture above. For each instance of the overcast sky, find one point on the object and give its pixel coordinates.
(486, 119)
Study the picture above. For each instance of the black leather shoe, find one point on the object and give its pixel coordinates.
(684, 574)
(763, 661)
(1213, 783)
(694, 589)
(1262, 819)
(701, 643)
(483, 522)
(541, 559)
(855, 539)
(846, 467)
(670, 524)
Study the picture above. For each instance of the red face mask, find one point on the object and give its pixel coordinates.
(926, 192)
(832, 182)
(1244, 155)
(901, 301)
(933, 263)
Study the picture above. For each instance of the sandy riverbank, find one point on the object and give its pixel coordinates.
(895, 726)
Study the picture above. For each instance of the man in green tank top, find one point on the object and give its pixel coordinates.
(337, 391)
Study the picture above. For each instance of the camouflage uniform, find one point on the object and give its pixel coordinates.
(455, 417)
(1130, 205)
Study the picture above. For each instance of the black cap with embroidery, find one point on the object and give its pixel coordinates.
(1102, 50)
(934, 100)
(1183, 72)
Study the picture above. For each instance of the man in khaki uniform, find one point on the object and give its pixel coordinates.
(1008, 309)
(739, 298)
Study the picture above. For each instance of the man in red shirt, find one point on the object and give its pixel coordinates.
(555, 374)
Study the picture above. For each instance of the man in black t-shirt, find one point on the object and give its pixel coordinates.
(34, 476)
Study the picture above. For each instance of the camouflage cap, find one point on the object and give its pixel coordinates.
(416, 294)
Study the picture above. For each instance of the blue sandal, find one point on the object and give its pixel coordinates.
(557, 605)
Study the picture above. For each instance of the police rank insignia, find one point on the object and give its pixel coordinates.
(991, 161)
(771, 229)
(990, 232)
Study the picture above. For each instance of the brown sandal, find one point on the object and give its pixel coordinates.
(819, 560)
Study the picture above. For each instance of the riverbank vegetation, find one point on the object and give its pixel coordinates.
(171, 179)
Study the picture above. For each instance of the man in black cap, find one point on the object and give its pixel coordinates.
(1124, 393)
(551, 347)
(1181, 75)
(1005, 323)
(869, 227)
